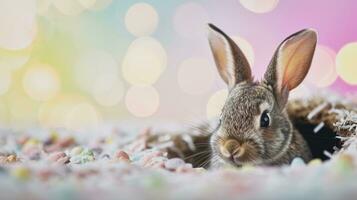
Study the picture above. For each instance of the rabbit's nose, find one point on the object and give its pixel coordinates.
(230, 148)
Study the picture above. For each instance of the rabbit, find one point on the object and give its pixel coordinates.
(254, 128)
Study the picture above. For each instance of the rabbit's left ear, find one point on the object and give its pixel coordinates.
(291, 62)
(231, 63)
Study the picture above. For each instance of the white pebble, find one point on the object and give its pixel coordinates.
(76, 151)
(297, 162)
(174, 163)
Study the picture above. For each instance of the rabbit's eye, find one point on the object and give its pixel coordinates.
(264, 120)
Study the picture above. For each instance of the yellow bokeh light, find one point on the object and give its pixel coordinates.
(322, 72)
(141, 19)
(22, 109)
(41, 82)
(195, 76)
(87, 3)
(144, 61)
(100, 4)
(5, 81)
(215, 103)
(53, 113)
(346, 62)
(142, 101)
(13, 60)
(68, 7)
(259, 6)
(18, 25)
(90, 65)
(108, 90)
(43, 6)
(4, 114)
(82, 116)
(246, 47)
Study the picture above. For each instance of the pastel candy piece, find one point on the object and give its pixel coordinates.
(122, 155)
(174, 163)
(76, 150)
(21, 173)
(97, 150)
(297, 162)
(3, 159)
(87, 152)
(63, 160)
(22, 140)
(200, 169)
(53, 157)
(11, 158)
(344, 163)
(45, 174)
(54, 136)
(315, 162)
(75, 159)
(66, 142)
(30, 143)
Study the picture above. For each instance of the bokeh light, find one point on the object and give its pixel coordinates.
(106, 58)
(5, 81)
(108, 90)
(144, 61)
(82, 116)
(142, 101)
(246, 47)
(141, 19)
(43, 6)
(13, 60)
(41, 82)
(18, 25)
(90, 65)
(53, 113)
(190, 20)
(4, 113)
(68, 7)
(322, 72)
(68, 110)
(346, 61)
(87, 3)
(215, 103)
(195, 76)
(22, 109)
(259, 6)
(100, 4)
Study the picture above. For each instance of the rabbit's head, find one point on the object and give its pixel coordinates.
(254, 127)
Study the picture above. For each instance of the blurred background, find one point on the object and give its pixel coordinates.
(79, 63)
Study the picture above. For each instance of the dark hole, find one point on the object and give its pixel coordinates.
(324, 140)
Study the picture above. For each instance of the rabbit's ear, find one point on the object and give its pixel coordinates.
(291, 62)
(231, 63)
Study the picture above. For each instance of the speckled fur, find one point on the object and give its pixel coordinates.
(237, 121)
(276, 144)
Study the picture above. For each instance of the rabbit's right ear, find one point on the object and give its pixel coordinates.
(290, 63)
(231, 63)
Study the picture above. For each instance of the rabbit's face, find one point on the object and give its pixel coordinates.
(253, 129)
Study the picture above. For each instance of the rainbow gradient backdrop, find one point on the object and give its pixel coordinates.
(79, 63)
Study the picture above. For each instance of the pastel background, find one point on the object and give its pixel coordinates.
(79, 63)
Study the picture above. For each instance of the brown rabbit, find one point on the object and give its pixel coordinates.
(254, 126)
